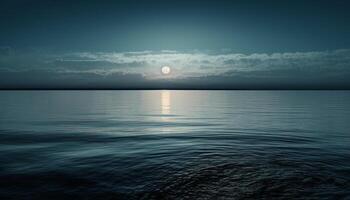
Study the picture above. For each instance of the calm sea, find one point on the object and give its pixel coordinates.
(174, 144)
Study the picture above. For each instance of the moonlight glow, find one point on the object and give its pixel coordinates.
(165, 70)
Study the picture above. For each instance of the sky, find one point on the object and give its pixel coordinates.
(250, 44)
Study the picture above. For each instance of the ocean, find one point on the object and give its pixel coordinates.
(174, 144)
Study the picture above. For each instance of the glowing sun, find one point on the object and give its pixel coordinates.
(165, 70)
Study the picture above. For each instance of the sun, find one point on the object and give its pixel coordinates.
(165, 70)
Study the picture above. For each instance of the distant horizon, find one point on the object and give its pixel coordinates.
(157, 89)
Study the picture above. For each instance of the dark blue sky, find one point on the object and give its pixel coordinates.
(205, 39)
(242, 26)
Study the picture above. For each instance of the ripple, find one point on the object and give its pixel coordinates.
(207, 145)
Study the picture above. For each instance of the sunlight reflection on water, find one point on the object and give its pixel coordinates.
(165, 103)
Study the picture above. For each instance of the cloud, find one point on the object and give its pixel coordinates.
(192, 69)
(40, 79)
(94, 64)
(216, 63)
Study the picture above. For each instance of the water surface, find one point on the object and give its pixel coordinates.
(175, 144)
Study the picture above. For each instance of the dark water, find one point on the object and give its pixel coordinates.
(175, 145)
